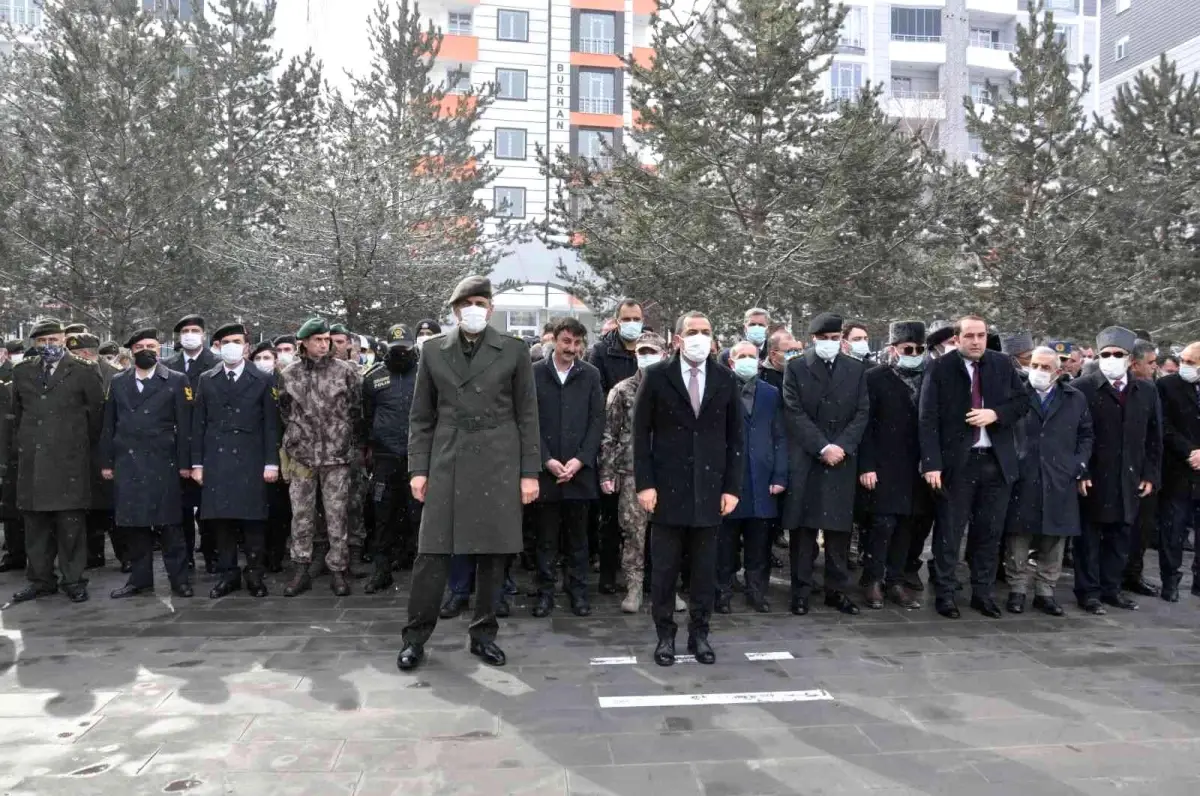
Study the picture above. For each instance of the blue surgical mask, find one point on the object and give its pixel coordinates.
(629, 330)
(910, 362)
(790, 355)
(746, 368)
(756, 334)
(828, 349)
(52, 353)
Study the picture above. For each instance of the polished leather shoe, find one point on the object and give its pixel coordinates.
(32, 592)
(453, 605)
(900, 596)
(76, 594)
(873, 596)
(410, 657)
(11, 563)
(1170, 594)
(986, 606)
(1142, 588)
(225, 587)
(255, 587)
(503, 609)
(947, 608)
(488, 652)
(127, 567)
(1093, 606)
(183, 590)
(800, 606)
(1120, 601)
(761, 604)
(1016, 603)
(724, 604)
(842, 603)
(607, 587)
(129, 591)
(379, 582)
(1047, 605)
(543, 607)
(581, 608)
(664, 653)
(339, 585)
(699, 646)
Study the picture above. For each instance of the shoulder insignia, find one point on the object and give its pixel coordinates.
(381, 382)
(84, 360)
(187, 393)
(275, 393)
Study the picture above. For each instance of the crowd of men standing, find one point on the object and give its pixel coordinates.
(650, 459)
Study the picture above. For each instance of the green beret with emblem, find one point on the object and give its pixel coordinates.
(82, 340)
(471, 287)
(339, 328)
(310, 327)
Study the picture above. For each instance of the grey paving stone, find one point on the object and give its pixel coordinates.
(374, 724)
(485, 753)
(467, 782)
(659, 779)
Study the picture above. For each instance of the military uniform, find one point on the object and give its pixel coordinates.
(14, 526)
(616, 465)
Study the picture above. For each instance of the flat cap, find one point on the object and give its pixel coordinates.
(398, 334)
(110, 349)
(428, 325)
(227, 330)
(470, 287)
(906, 332)
(310, 327)
(649, 340)
(75, 328)
(141, 334)
(82, 340)
(47, 326)
(15, 346)
(284, 339)
(1116, 336)
(1017, 343)
(825, 323)
(189, 320)
(1063, 348)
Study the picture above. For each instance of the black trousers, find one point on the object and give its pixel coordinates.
(251, 533)
(397, 513)
(191, 521)
(430, 573)
(919, 532)
(140, 550)
(100, 526)
(1176, 516)
(1101, 552)
(56, 534)
(14, 538)
(279, 522)
(608, 536)
(976, 495)
(754, 534)
(563, 526)
(670, 543)
(1145, 532)
(890, 546)
(802, 543)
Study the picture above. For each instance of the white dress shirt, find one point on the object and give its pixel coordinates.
(984, 440)
(701, 373)
(562, 374)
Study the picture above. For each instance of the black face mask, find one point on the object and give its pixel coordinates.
(145, 359)
(401, 360)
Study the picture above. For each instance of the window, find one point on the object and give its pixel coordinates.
(512, 84)
(596, 87)
(982, 94)
(1062, 5)
(917, 24)
(974, 145)
(984, 37)
(854, 29)
(596, 145)
(509, 202)
(459, 23)
(845, 80)
(597, 32)
(1123, 5)
(458, 79)
(22, 13)
(510, 143)
(1121, 49)
(512, 25)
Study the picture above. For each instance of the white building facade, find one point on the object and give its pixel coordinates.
(1134, 33)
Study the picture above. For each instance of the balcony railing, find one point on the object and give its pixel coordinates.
(592, 105)
(988, 44)
(916, 39)
(909, 94)
(1062, 5)
(855, 41)
(844, 92)
(599, 162)
(598, 46)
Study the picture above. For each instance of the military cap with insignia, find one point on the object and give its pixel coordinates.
(46, 326)
(310, 327)
(284, 339)
(471, 287)
(228, 330)
(148, 333)
(1063, 348)
(75, 328)
(906, 332)
(825, 323)
(82, 340)
(189, 320)
(428, 325)
(110, 349)
(398, 334)
(15, 346)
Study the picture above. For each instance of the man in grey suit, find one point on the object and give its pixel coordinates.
(474, 460)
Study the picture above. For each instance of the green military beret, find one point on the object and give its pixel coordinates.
(310, 327)
(339, 328)
(470, 287)
(82, 340)
(47, 326)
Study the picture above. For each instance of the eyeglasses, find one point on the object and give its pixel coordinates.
(911, 349)
(1116, 354)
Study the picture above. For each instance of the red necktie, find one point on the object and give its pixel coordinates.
(1119, 386)
(976, 399)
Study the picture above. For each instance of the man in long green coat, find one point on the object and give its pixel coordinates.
(474, 461)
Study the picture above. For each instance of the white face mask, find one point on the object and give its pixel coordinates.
(232, 353)
(1039, 380)
(860, 348)
(286, 359)
(474, 319)
(190, 341)
(746, 368)
(1189, 373)
(265, 365)
(827, 349)
(644, 360)
(697, 347)
(16, 358)
(946, 349)
(910, 361)
(368, 360)
(1114, 368)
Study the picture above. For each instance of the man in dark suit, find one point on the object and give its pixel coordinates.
(192, 359)
(687, 448)
(825, 408)
(1125, 466)
(971, 402)
(235, 454)
(144, 453)
(889, 458)
(1180, 396)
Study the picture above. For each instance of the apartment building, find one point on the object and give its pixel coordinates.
(1134, 33)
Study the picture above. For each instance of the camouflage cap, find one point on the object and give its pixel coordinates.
(650, 340)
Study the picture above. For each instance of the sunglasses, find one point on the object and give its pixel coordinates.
(1116, 354)
(909, 350)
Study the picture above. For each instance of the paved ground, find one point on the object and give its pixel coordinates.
(302, 696)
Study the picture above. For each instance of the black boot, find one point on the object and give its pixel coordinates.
(301, 581)
(381, 580)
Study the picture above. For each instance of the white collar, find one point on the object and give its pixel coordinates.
(236, 371)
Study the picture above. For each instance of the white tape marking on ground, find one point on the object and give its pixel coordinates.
(684, 700)
(769, 656)
(499, 681)
(619, 660)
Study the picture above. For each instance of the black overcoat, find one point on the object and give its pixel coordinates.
(145, 443)
(235, 435)
(571, 421)
(891, 447)
(1055, 443)
(205, 362)
(823, 408)
(1181, 436)
(1127, 447)
(691, 461)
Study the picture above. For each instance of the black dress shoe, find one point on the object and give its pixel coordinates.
(1093, 606)
(947, 608)
(581, 608)
(800, 606)
(11, 563)
(1143, 588)
(1016, 603)
(703, 651)
(986, 606)
(380, 581)
(664, 653)
(255, 587)
(129, 591)
(1048, 606)
(1120, 601)
(503, 609)
(182, 590)
(453, 606)
(543, 607)
(488, 652)
(724, 604)
(225, 587)
(410, 657)
(762, 605)
(32, 592)
(898, 594)
(607, 587)
(841, 602)
(76, 594)
(126, 567)
(1170, 594)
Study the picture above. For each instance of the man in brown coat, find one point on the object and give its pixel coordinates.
(474, 459)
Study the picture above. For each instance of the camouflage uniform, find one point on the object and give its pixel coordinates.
(616, 464)
(321, 405)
